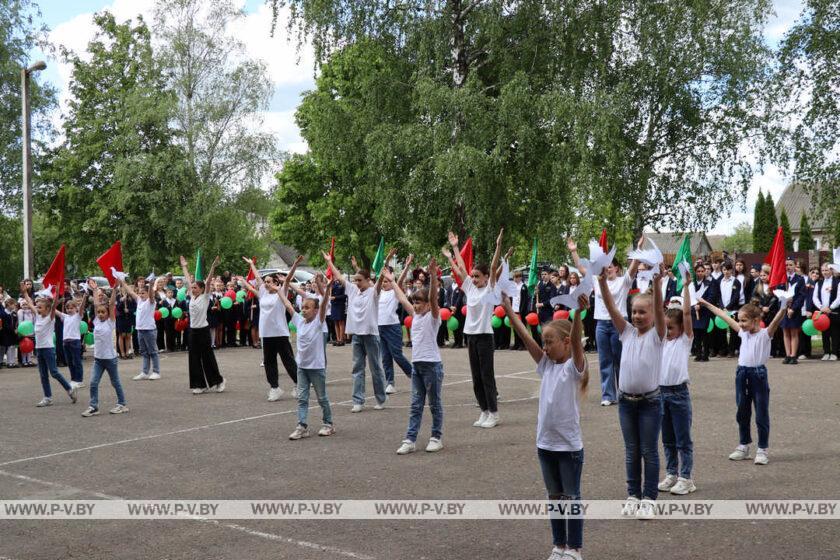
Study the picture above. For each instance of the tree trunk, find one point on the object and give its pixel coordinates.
(460, 70)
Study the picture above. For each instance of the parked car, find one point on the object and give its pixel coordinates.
(301, 276)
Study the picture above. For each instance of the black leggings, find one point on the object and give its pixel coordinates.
(204, 371)
(480, 349)
(271, 347)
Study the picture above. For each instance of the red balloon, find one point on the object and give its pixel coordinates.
(464, 311)
(231, 294)
(822, 322)
(236, 325)
(445, 314)
(499, 311)
(561, 314)
(158, 316)
(532, 319)
(407, 322)
(762, 325)
(26, 345)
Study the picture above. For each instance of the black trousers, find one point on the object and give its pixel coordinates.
(701, 340)
(443, 334)
(204, 371)
(480, 348)
(271, 347)
(458, 334)
(502, 337)
(831, 336)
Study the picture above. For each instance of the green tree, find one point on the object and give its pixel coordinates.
(741, 240)
(806, 237)
(784, 223)
(759, 224)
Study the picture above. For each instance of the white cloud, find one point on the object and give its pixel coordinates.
(282, 125)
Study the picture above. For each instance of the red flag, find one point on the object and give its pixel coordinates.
(111, 258)
(776, 259)
(467, 256)
(54, 278)
(332, 258)
(250, 278)
(603, 241)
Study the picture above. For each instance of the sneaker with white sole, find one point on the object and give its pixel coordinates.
(326, 430)
(357, 408)
(73, 394)
(832, 358)
(199, 391)
(119, 409)
(605, 402)
(46, 401)
(557, 553)
(274, 394)
(481, 419)
(406, 448)
(434, 445)
(741, 452)
(154, 375)
(572, 554)
(668, 482)
(90, 411)
(379, 406)
(220, 388)
(80, 385)
(647, 509)
(826, 357)
(630, 507)
(492, 420)
(390, 390)
(140, 376)
(761, 457)
(300, 432)
(683, 486)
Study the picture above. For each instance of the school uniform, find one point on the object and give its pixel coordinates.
(730, 294)
(457, 303)
(443, 330)
(826, 294)
(702, 317)
(806, 309)
(796, 282)
(520, 304)
(542, 296)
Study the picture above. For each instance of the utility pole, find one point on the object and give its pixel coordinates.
(27, 166)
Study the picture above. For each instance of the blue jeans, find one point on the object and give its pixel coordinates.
(101, 365)
(318, 379)
(751, 387)
(561, 472)
(367, 346)
(427, 379)
(47, 368)
(676, 429)
(609, 358)
(391, 341)
(149, 350)
(640, 421)
(73, 356)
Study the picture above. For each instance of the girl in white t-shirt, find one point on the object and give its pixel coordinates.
(478, 329)
(642, 341)
(676, 400)
(564, 376)
(104, 355)
(427, 368)
(390, 328)
(751, 376)
(204, 370)
(72, 338)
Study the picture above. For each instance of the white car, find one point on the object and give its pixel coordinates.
(301, 276)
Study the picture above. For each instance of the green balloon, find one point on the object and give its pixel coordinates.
(177, 312)
(164, 312)
(292, 327)
(721, 323)
(539, 329)
(572, 314)
(496, 322)
(83, 327)
(182, 293)
(583, 314)
(453, 324)
(240, 295)
(809, 328)
(226, 303)
(507, 321)
(711, 327)
(53, 339)
(89, 339)
(26, 328)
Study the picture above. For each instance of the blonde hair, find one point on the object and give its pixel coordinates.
(750, 311)
(563, 328)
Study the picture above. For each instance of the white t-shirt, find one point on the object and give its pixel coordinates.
(388, 303)
(272, 315)
(479, 314)
(144, 320)
(362, 309)
(558, 423)
(675, 360)
(198, 311)
(619, 288)
(755, 348)
(44, 331)
(310, 342)
(424, 329)
(72, 325)
(641, 360)
(103, 339)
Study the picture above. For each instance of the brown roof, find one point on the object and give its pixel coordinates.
(669, 242)
(796, 200)
(716, 242)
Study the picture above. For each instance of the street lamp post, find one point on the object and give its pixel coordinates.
(27, 167)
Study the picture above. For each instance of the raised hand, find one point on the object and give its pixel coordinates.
(411, 258)
(641, 242)
(354, 262)
(571, 245)
(453, 239)
(499, 238)
(583, 302)
(183, 261)
(326, 256)
(446, 253)
(247, 260)
(509, 254)
(216, 261)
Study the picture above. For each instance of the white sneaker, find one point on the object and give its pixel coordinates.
(683, 486)
(631, 506)
(90, 411)
(80, 384)
(74, 384)
(481, 419)
(557, 554)
(140, 376)
(199, 391)
(119, 409)
(72, 393)
(761, 457)
(826, 357)
(605, 403)
(46, 401)
(574, 554)
(741, 452)
(379, 406)
(389, 390)
(357, 408)
(803, 357)
(274, 394)
(326, 430)
(299, 433)
(154, 375)
(832, 357)
(647, 509)
(668, 482)
(492, 420)
(406, 448)
(220, 388)
(434, 445)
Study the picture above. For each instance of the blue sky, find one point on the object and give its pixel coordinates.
(70, 25)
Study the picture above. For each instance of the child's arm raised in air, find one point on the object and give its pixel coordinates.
(455, 257)
(207, 287)
(290, 277)
(577, 342)
(128, 289)
(325, 297)
(658, 308)
(572, 247)
(433, 289)
(634, 264)
(379, 278)
(288, 304)
(774, 324)
(112, 304)
(399, 293)
(355, 264)
(688, 324)
(617, 318)
(722, 314)
(335, 272)
(405, 269)
(496, 256)
(26, 298)
(247, 285)
(523, 331)
(187, 278)
(253, 267)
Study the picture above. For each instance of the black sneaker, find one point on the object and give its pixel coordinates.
(786, 360)
(793, 361)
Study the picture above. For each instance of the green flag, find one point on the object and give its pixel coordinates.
(683, 254)
(379, 259)
(533, 276)
(199, 266)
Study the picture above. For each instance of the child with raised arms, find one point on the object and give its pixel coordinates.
(144, 325)
(104, 355)
(72, 339)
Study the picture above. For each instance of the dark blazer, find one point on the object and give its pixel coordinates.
(797, 282)
(734, 301)
(832, 294)
(712, 295)
(524, 301)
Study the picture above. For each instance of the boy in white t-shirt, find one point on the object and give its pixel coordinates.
(72, 338)
(751, 384)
